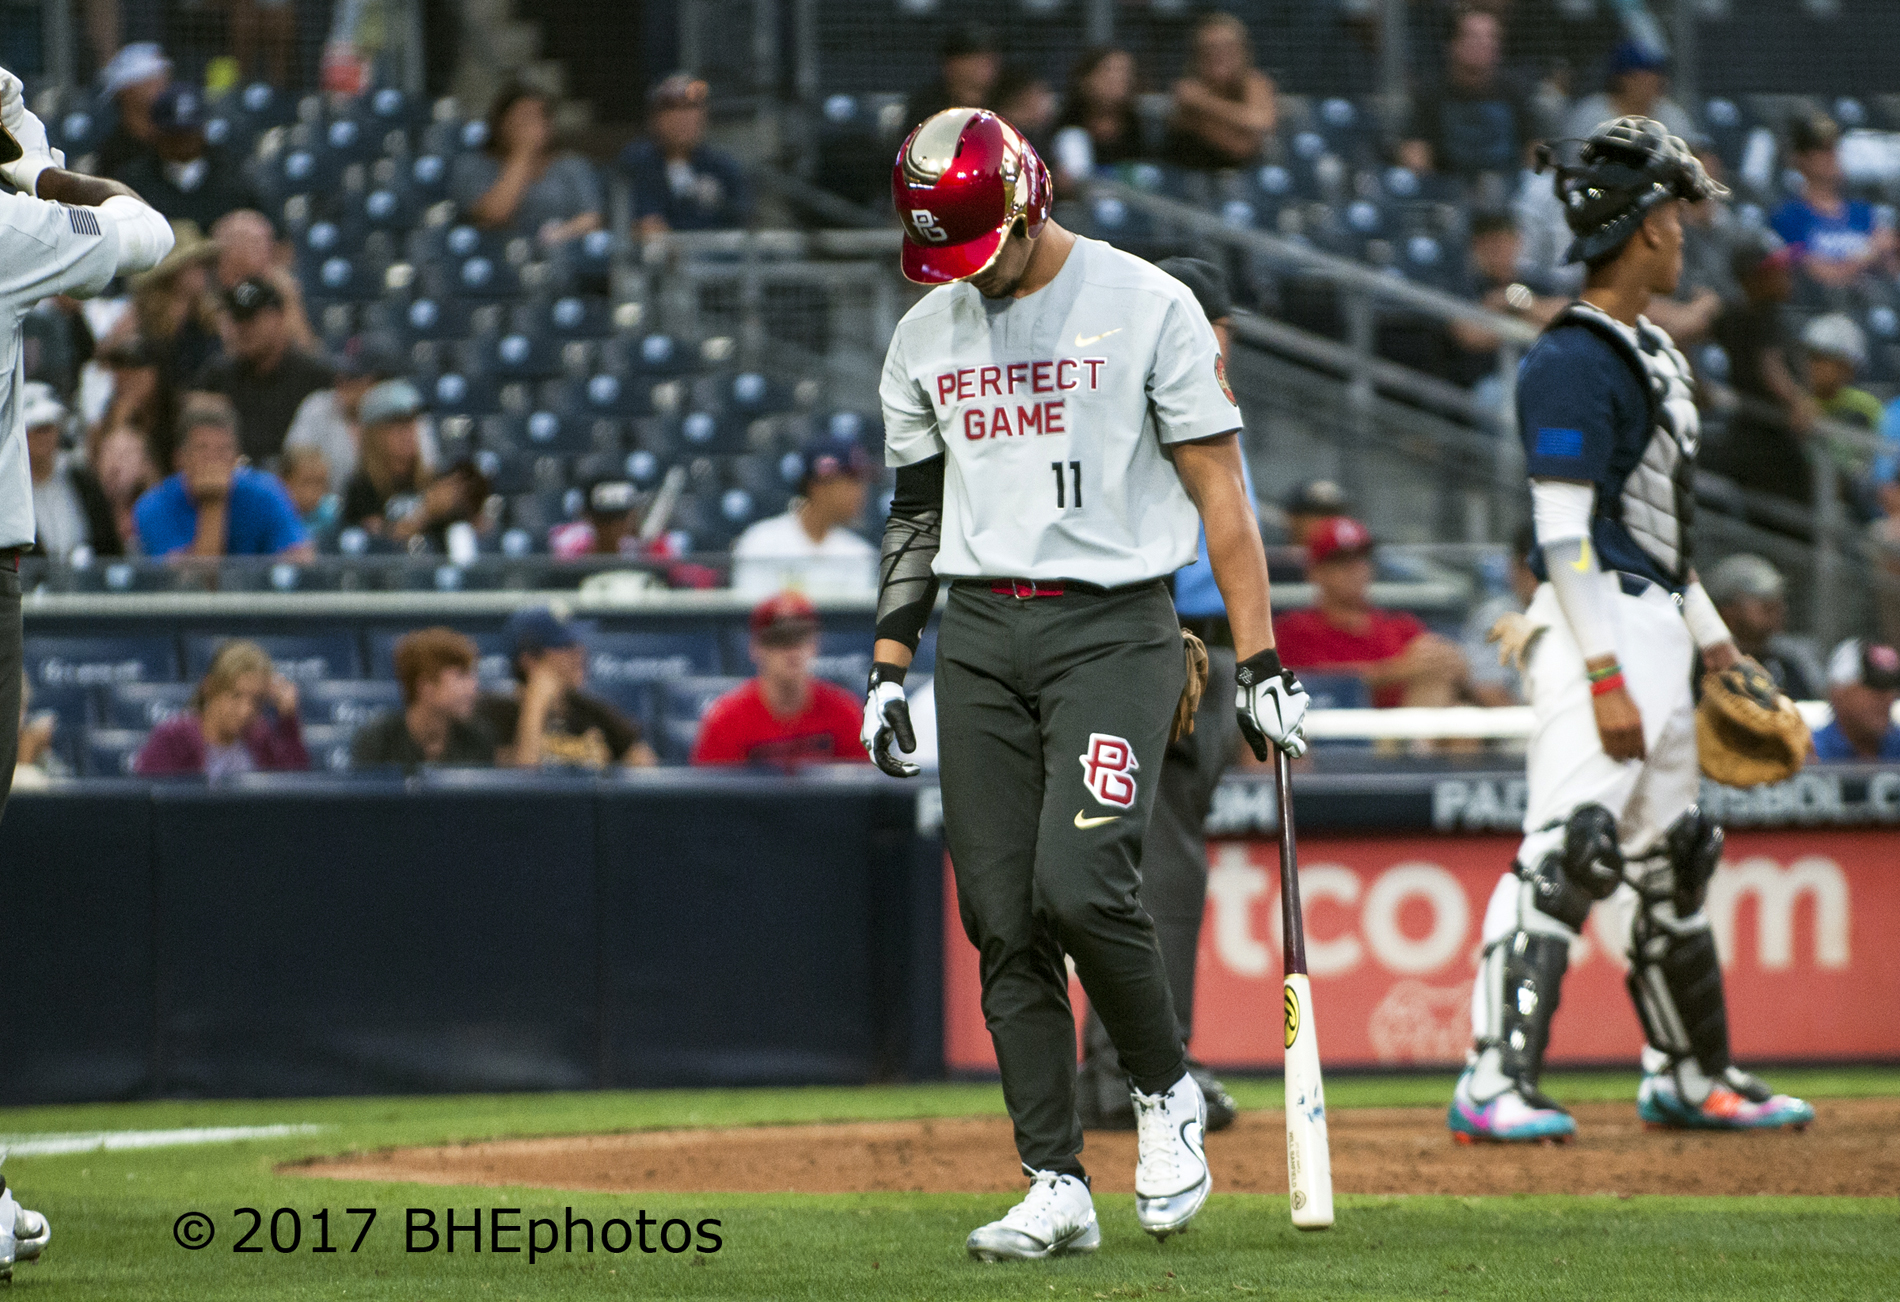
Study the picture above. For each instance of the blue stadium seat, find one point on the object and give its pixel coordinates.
(485, 277)
(650, 657)
(638, 699)
(586, 263)
(608, 394)
(703, 433)
(143, 706)
(1350, 132)
(759, 476)
(437, 319)
(547, 432)
(80, 131)
(341, 280)
(492, 666)
(577, 316)
(752, 394)
(71, 703)
(100, 661)
(429, 174)
(348, 703)
(109, 752)
(674, 739)
(1336, 691)
(385, 208)
(683, 702)
(659, 354)
(507, 473)
(517, 356)
(302, 658)
(465, 395)
(844, 658)
(329, 747)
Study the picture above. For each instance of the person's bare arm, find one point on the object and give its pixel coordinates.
(538, 695)
(1794, 399)
(209, 540)
(1210, 472)
(80, 190)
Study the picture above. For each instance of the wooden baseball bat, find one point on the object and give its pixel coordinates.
(1309, 1163)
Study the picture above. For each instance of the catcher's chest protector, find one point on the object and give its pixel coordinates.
(1657, 502)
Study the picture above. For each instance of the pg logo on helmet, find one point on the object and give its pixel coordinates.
(961, 181)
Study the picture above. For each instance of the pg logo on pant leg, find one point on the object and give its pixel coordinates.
(1108, 768)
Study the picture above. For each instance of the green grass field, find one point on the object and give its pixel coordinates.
(113, 1215)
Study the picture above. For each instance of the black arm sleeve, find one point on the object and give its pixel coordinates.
(906, 584)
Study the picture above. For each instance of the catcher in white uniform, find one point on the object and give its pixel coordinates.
(1607, 412)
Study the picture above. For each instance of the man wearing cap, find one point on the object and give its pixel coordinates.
(784, 717)
(1764, 449)
(1310, 502)
(1059, 420)
(70, 509)
(133, 80)
(1838, 239)
(182, 175)
(1400, 661)
(1638, 77)
(264, 376)
(550, 719)
(330, 420)
(1752, 598)
(812, 546)
(216, 505)
(681, 183)
(1836, 350)
(611, 526)
(1863, 682)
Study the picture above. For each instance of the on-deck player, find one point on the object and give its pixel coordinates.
(1606, 407)
(1056, 411)
(46, 247)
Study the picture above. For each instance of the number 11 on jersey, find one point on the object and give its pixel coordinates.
(1075, 475)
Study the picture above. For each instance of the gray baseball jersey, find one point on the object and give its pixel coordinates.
(1052, 411)
(45, 249)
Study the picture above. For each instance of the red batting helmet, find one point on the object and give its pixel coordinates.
(961, 181)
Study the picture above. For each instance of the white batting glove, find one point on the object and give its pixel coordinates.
(887, 718)
(24, 149)
(1271, 705)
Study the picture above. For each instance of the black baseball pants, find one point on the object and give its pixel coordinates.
(1052, 718)
(11, 683)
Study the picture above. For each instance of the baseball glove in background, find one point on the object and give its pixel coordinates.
(1747, 733)
(1196, 652)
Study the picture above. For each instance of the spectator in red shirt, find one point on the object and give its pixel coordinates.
(784, 717)
(1345, 633)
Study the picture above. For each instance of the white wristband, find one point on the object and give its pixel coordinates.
(1705, 622)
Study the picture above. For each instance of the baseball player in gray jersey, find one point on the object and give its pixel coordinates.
(60, 233)
(1057, 412)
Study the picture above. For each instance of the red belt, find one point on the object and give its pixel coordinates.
(1025, 589)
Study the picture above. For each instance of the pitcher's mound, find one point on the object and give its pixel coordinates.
(1852, 1148)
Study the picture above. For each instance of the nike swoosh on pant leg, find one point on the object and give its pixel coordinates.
(1086, 823)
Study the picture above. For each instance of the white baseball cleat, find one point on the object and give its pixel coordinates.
(1171, 1177)
(1055, 1220)
(23, 1233)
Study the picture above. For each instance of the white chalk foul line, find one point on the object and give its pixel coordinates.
(52, 1145)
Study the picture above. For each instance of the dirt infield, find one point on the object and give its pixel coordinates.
(1853, 1148)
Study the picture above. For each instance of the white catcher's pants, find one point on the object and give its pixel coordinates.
(1566, 766)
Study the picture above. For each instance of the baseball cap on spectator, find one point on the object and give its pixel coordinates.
(539, 628)
(611, 495)
(179, 108)
(1813, 132)
(1756, 249)
(139, 61)
(1744, 575)
(828, 458)
(1836, 335)
(391, 400)
(1857, 662)
(1636, 56)
(1207, 282)
(39, 405)
(250, 296)
(680, 90)
(784, 619)
(1318, 497)
(1337, 537)
(366, 356)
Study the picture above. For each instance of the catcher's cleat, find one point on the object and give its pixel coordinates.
(1519, 1115)
(1736, 1101)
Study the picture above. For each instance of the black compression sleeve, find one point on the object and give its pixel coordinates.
(907, 585)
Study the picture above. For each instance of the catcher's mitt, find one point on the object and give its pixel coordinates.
(1747, 733)
(1196, 652)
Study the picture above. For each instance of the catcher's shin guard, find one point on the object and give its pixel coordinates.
(1521, 975)
(1675, 978)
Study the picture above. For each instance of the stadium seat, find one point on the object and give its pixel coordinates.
(638, 699)
(143, 706)
(464, 395)
(703, 433)
(614, 657)
(1336, 691)
(348, 703)
(683, 702)
(484, 277)
(70, 703)
(577, 316)
(608, 394)
(109, 752)
(660, 355)
(429, 174)
(543, 433)
(430, 318)
(752, 394)
(302, 658)
(329, 747)
(100, 661)
(518, 356)
(492, 667)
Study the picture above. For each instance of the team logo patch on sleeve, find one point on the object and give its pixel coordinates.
(1220, 373)
(84, 221)
(1108, 767)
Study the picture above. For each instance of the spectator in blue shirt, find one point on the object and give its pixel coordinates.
(1839, 239)
(215, 505)
(680, 183)
(1863, 680)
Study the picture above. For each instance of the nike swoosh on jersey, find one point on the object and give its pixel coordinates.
(1086, 823)
(1080, 342)
(1582, 564)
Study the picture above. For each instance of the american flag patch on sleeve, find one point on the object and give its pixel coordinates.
(84, 221)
